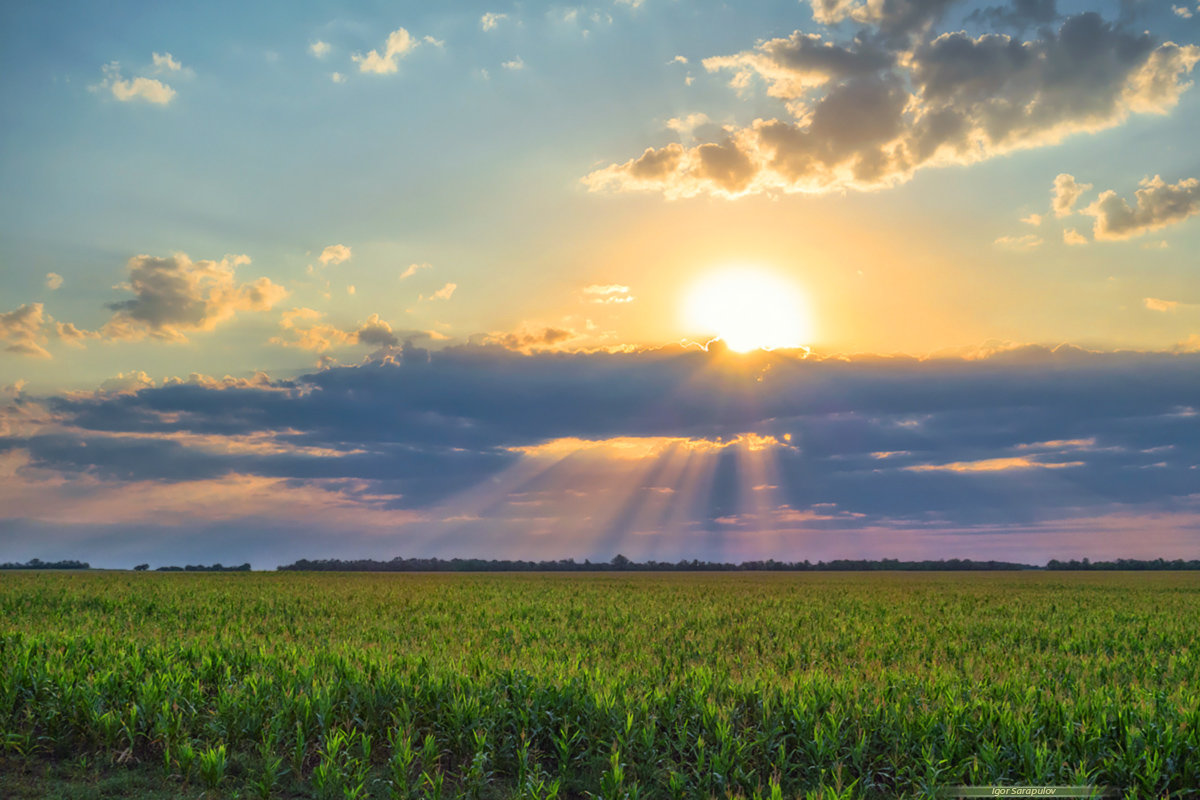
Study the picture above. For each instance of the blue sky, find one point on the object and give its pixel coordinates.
(210, 202)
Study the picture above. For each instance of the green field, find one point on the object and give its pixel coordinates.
(826, 685)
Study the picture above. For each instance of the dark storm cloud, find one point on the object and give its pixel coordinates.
(1021, 435)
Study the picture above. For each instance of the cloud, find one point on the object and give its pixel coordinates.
(376, 332)
(608, 293)
(335, 254)
(531, 339)
(21, 331)
(794, 65)
(1154, 304)
(127, 382)
(53, 280)
(868, 113)
(1182, 11)
(1159, 204)
(1033, 219)
(69, 334)
(1073, 237)
(413, 269)
(166, 62)
(1035, 439)
(514, 65)
(897, 18)
(28, 328)
(399, 44)
(444, 293)
(687, 126)
(337, 77)
(320, 49)
(993, 465)
(303, 328)
(150, 90)
(1065, 192)
(173, 295)
(490, 20)
(1019, 15)
(1019, 243)
(304, 331)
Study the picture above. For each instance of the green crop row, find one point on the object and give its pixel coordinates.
(608, 686)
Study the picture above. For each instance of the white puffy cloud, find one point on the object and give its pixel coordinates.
(165, 61)
(319, 48)
(21, 330)
(1073, 237)
(335, 254)
(867, 114)
(176, 294)
(1159, 204)
(516, 64)
(491, 20)
(1155, 304)
(399, 44)
(149, 90)
(53, 280)
(1065, 192)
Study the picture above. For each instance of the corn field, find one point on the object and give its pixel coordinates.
(612, 686)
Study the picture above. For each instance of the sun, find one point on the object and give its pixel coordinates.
(748, 309)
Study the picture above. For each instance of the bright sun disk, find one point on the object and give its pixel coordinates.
(748, 310)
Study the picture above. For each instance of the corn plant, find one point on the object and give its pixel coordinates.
(212, 766)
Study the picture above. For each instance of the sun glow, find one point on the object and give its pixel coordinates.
(748, 309)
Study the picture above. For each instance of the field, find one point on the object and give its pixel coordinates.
(638, 686)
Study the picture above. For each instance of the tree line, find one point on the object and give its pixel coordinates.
(196, 568)
(1123, 564)
(37, 563)
(621, 563)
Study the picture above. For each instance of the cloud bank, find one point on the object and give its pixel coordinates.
(695, 452)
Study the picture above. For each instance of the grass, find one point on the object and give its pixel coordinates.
(608, 686)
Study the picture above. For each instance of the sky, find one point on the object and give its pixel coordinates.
(799, 279)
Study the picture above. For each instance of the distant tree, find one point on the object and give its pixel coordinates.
(620, 562)
(141, 568)
(37, 563)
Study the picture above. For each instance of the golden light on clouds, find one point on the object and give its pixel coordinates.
(748, 309)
